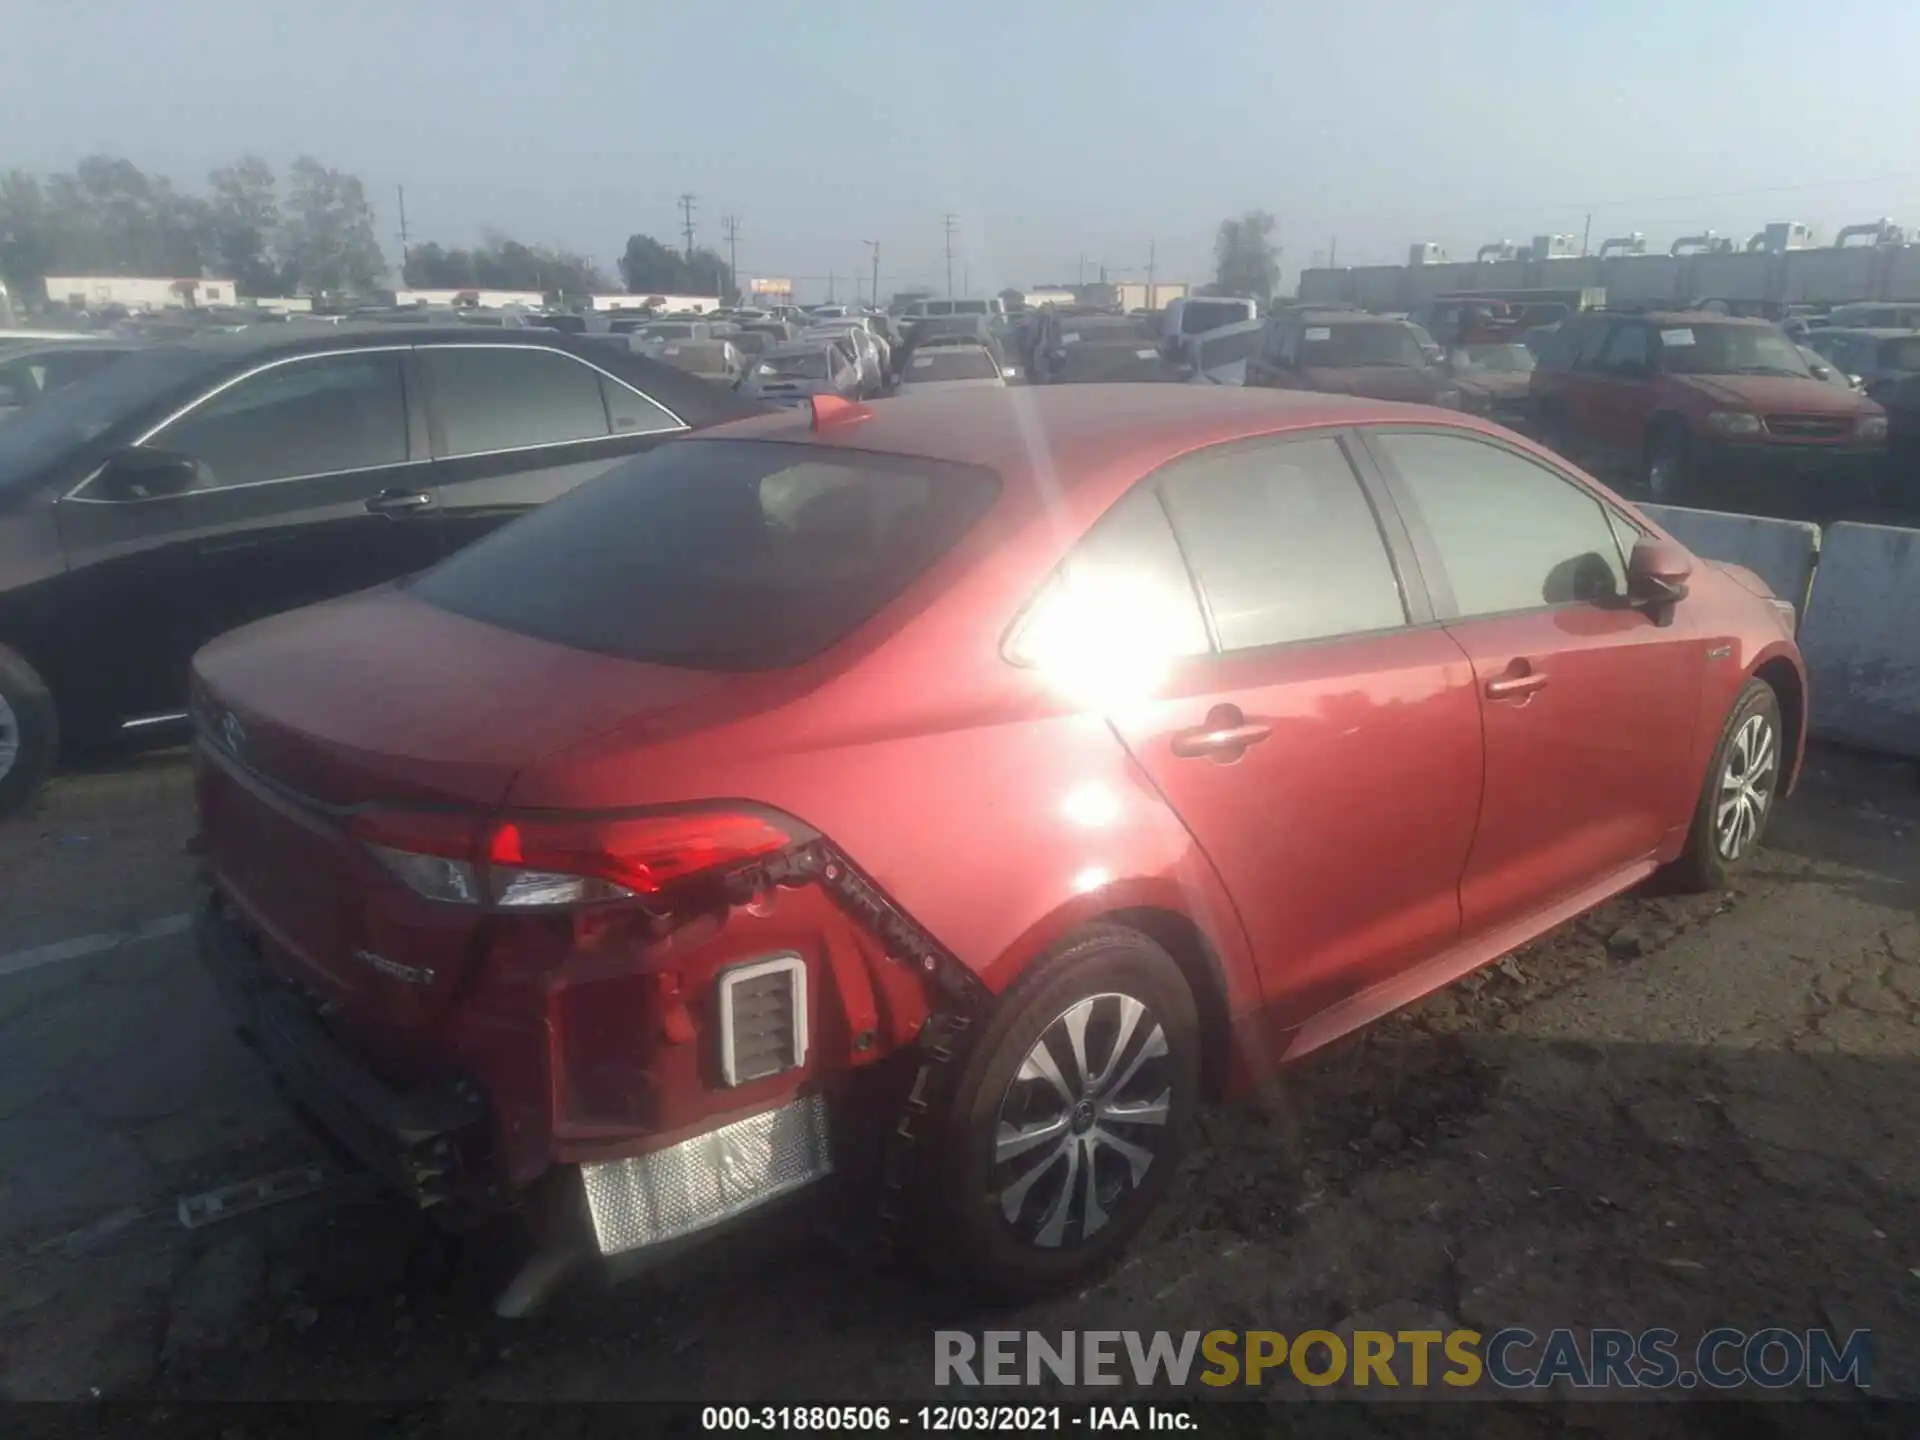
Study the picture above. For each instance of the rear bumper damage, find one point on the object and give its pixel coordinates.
(428, 1144)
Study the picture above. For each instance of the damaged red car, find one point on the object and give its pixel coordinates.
(1023, 768)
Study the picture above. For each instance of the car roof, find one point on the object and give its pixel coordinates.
(1686, 317)
(1347, 317)
(1052, 439)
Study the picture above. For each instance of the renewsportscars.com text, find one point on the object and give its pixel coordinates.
(1508, 1359)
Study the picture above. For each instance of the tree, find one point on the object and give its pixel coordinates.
(26, 234)
(648, 267)
(244, 227)
(499, 263)
(327, 236)
(1246, 260)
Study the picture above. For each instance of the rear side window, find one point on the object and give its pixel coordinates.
(1123, 592)
(1511, 534)
(1283, 542)
(510, 397)
(718, 555)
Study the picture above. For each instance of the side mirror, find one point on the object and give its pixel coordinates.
(1821, 372)
(141, 473)
(1856, 382)
(1657, 574)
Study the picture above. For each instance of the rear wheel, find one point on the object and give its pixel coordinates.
(1068, 1122)
(1737, 800)
(29, 731)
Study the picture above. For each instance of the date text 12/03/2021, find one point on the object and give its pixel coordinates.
(948, 1419)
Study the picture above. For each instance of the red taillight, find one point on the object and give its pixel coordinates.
(641, 855)
(529, 862)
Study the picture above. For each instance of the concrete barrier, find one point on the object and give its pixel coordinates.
(1861, 638)
(1784, 553)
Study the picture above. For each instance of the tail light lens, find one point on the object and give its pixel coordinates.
(542, 863)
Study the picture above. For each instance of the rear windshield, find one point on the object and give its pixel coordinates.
(802, 365)
(951, 362)
(667, 332)
(717, 554)
(1203, 315)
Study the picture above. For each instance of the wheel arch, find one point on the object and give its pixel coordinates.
(1789, 686)
(1200, 966)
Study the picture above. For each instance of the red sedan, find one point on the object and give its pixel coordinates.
(1086, 751)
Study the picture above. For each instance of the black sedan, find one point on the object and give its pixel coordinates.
(188, 488)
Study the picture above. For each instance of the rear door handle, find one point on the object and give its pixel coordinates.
(1226, 734)
(399, 502)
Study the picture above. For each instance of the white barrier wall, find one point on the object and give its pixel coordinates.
(1861, 638)
(1784, 553)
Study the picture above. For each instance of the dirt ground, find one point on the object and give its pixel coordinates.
(1682, 1112)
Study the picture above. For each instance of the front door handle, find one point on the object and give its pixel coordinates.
(1225, 736)
(399, 502)
(1520, 680)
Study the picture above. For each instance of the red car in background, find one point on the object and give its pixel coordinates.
(1034, 763)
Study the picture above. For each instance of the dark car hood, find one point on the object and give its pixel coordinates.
(1376, 382)
(1774, 394)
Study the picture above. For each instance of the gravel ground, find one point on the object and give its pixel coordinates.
(1675, 1111)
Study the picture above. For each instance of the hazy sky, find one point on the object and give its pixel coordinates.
(1054, 128)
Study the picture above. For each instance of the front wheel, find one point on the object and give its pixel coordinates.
(29, 732)
(1737, 799)
(1668, 472)
(1068, 1122)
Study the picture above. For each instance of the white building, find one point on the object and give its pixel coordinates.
(698, 304)
(487, 299)
(90, 292)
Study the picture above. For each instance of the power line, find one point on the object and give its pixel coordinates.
(951, 224)
(686, 209)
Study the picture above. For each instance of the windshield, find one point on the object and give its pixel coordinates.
(667, 332)
(1339, 347)
(1901, 354)
(1709, 349)
(1499, 359)
(950, 362)
(717, 555)
(78, 413)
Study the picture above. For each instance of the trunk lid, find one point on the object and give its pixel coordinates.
(312, 719)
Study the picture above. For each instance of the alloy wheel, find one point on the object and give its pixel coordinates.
(9, 738)
(1746, 786)
(1082, 1121)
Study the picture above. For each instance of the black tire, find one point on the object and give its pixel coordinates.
(29, 732)
(965, 1231)
(1708, 862)
(1666, 471)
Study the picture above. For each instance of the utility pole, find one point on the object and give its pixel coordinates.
(1586, 235)
(686, 209)
(731, 225)
(1152, 294)
(951, 224)
(829, 287)
(874, 298)
(403, 231)
(1081, 278)
(1333, 254)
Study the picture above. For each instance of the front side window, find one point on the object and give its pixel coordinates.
(313, 416)
(1511, 534)
(1283, 543)
(510, 397)
(1626, 349)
